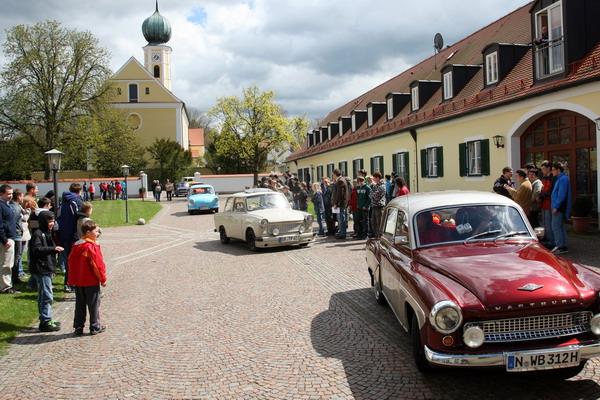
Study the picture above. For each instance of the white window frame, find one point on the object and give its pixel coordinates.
(448, 93)
(390, 108)
(551, 38)
(491, 68)
(432, 162)
(473, 158)
(329, 135)
(370, 116)
(414, 98)
(353, 122)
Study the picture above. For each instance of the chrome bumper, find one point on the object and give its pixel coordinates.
(267, 241)
(587, 350)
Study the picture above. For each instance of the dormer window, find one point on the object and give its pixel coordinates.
(414, 98)
(491, 68)
(390, 108)
(448, 94)
(353, 122)
(370, 116)
(549, 56)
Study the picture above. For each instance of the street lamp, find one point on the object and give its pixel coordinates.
(125, 169)
(54, 158)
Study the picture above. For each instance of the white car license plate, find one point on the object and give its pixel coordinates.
(530, 361)
(294, 238)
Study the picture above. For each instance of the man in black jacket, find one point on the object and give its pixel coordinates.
(505, 179)
(8, 233)
(42, 265)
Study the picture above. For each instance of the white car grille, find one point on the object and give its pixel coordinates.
(285, 227)
(534, 327)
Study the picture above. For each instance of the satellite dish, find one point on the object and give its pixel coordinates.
(438, 42)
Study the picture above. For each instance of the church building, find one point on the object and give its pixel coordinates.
(144, 91)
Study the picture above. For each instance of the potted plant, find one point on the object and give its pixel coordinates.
(142, 192)
(580, 214)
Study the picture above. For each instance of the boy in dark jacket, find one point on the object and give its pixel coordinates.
(42, 265)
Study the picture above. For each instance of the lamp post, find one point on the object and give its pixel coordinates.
(54, 158)
(125, 169)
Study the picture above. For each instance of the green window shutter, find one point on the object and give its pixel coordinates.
(395, 163)
(440, 161)
(485, 157)
(382, 166)
(462, 157)
(407, 169)
(371, 165)
(424, 163)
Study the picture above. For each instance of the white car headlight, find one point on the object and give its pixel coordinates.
(308, 218)
(301, 229)
(445, 317)
(264, 222)
(473, 337)
(275, 231)
(595, 324)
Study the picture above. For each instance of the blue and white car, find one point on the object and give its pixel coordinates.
(202, 197)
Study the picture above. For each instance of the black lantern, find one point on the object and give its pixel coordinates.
(498, 141)
(54, 159)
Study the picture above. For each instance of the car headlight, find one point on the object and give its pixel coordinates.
(308, 218)
(473, 337)
(445, 317)
(595, 324)
(275, 231)
(264, 222)
(301, 229)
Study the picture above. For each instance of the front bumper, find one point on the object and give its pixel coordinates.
(283, 240)
(587, 350)
(202, 207)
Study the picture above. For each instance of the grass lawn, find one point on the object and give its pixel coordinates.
(20, 311)
(112, 212)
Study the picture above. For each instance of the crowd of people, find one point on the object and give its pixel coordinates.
(545, 196)
(67, 242)
(157, 189)
(110, 190)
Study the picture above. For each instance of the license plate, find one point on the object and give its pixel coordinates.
(531, 361)
(294, 238)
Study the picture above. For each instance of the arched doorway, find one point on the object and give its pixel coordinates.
(570, 138)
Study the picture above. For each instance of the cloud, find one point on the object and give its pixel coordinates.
(316, 55)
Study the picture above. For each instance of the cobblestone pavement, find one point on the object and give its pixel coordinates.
(189, 317)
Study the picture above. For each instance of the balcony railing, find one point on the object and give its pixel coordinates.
(549, 58)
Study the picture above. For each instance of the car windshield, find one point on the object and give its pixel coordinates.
(201, 190)
(266, 200)
(469, 223)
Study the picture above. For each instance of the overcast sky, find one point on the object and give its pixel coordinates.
(315, 54)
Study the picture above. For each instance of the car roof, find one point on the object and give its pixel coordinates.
(414, 203)
(253, 192)
(199, 184)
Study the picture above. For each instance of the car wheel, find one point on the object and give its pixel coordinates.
(251, 240)
(417, 346)
(190, 212)
(215, 210)
(379, 297)
(223, 236)
(304, 244)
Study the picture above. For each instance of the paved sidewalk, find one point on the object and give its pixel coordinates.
(189, 318)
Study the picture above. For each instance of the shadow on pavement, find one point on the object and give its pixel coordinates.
(43, 337)
(234, 248)
(377, 360)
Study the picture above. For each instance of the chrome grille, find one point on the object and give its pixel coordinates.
(285, 227)
(534, 327)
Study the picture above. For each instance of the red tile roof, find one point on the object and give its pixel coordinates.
(512, 28)
(196, 136)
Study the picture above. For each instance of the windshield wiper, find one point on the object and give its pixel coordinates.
(509, 234)
(481, 234)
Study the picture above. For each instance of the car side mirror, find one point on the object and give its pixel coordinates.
(539, 232)
(400, 240)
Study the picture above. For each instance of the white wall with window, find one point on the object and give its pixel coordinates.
(414, 98)
(432, 162)
(491, 68)
(448, 94)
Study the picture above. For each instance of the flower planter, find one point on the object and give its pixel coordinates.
(581, 224)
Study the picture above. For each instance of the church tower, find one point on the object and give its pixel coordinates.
(157, 55)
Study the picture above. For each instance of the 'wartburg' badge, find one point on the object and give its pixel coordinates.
(530, 287)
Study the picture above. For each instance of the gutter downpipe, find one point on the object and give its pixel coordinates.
(413, 134)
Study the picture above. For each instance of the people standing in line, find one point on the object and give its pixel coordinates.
(545, 203)
(401, 188)
(87, 272)
(363, 203)
(67, 224)
(7, 240)
(42, 265)
(536, 187)
(169, 189)
(111, 190)
(339, 201)
(84, 190)
(561, 207)
(31, 190)
(377, 204)
(21, 217)
(504, 180)
(523, 195)
(303, 198)
(319, 207)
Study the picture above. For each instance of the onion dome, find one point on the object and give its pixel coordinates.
(156, 28)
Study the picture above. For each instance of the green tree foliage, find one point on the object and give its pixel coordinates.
(17, 160)
(53, 76)
(252, 129)
(170, 158)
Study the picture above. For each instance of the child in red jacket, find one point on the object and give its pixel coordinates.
(86, 273)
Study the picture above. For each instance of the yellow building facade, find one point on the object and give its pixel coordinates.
(455, 121)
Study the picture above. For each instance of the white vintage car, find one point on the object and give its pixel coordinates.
(263, 218)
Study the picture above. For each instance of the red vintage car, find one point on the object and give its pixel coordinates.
(466, 276)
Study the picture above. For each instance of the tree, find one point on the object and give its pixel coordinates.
(251, 129)
(53, 77)
(171, 158)
(17, 161)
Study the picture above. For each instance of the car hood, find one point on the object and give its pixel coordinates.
(497, 274)
(279, 214)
